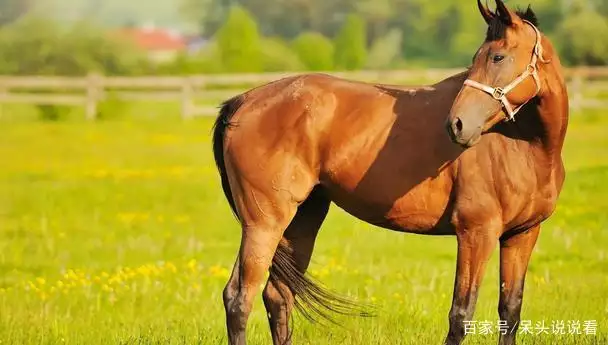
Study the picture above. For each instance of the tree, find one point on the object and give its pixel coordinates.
(278, 57)
(583, 38)
(315, 51)
(35, 46)
(239, 42)
(385, 50)
(11, 10)
(205, 16)
(377, 14)
(288, 18)
(468, 35)
(350, 44)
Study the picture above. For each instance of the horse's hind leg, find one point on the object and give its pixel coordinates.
(265, 215)
(298, 242)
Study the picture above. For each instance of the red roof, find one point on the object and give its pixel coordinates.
(154, 39)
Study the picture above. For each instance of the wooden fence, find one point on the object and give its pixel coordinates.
(586, 87)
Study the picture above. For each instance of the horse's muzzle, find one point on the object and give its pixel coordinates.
(460, 135)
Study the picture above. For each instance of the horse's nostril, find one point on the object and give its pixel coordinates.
(458, 125)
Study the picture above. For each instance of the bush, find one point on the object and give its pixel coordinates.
(239, 42)
(208, 60)
(315, 51)
(53, 112)
(385, 50)
(111, 108)
(583, 38)
(278, 57)
(350, 44)
(34, 46)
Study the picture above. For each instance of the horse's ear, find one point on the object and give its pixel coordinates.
(485, 11)
(504, 13)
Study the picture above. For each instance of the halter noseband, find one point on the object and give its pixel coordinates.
(500, 93)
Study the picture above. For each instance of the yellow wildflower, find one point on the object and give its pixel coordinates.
(182, 219)
(218, 271)
(171, 267)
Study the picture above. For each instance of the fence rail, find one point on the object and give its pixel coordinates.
(586, 86)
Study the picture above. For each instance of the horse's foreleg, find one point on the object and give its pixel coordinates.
(475, 247)
(515, 254)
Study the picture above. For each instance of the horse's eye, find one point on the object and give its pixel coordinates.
(498, 58)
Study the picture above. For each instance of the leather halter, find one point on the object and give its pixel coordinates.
(500, 93)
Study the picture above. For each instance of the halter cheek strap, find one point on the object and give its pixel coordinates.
(500, 93)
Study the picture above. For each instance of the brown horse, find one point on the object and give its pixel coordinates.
(286, 150)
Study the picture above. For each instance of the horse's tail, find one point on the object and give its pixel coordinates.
(222, 123)
(313, 301)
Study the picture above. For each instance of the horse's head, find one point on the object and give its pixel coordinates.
(503, 77)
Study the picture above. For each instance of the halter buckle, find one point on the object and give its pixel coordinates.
(498, 93)
(531, 68)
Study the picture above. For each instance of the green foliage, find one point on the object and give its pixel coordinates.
(435, 33)
(34, 46)
(11, 10)
(277, 56)
(203, 16)
(584, 38)
(465, 36)
(377, 14)
(47, 112)
(315, 51)
(239, 42)
(350, 44)
(385, 50)
(206, 61)
(290, 18)
(111, 108)
(112, 13)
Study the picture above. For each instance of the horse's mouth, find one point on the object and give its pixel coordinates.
(472, 141)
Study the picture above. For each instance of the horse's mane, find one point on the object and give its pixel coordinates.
(497, 28)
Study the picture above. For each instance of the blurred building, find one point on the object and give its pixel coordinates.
(161, 45)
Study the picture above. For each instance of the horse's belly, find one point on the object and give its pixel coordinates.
(424, 209)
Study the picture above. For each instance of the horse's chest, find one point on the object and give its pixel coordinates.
(528, 201)
(517, 190)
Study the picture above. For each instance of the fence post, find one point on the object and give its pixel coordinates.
(187, 101)
(93, 93)
(577, 90)
(3, 93)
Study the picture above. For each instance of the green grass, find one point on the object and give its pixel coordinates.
(117, 233)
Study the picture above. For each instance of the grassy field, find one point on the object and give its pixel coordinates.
(117, 233)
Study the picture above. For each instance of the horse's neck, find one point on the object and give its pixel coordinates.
(539, 129)
(552, 111)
